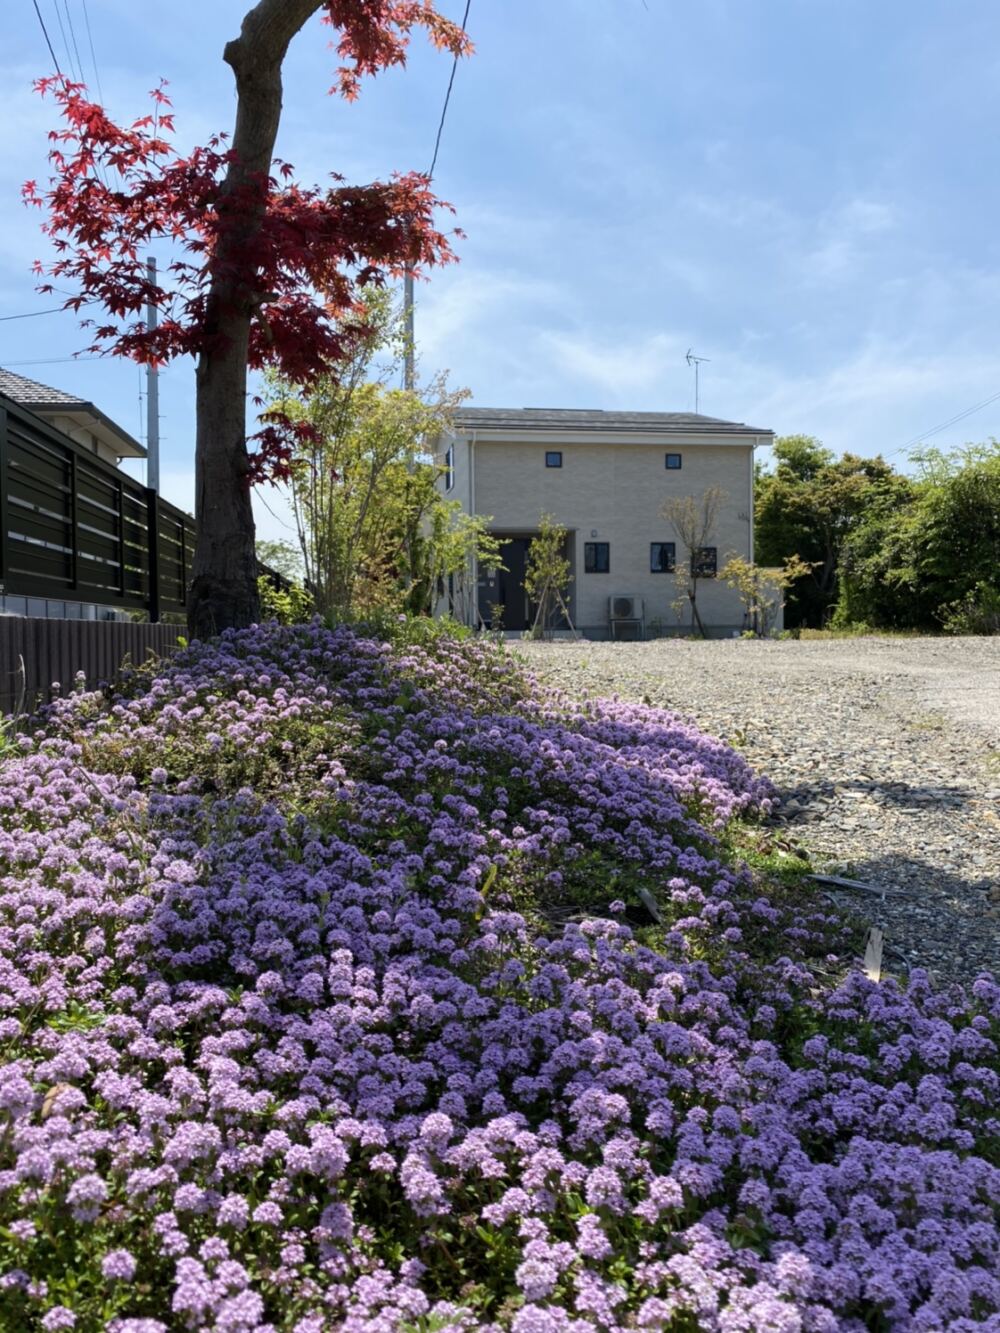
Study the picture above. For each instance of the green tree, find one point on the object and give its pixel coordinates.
(450, 549)
(807, 504)
(547, 575)
(375, 534)
(958, 525)
(283, 557)
(933, 561)
(362, 488)
(290, 605)
(877, 576)
(762, 592)
(283, 599)
(362, 472)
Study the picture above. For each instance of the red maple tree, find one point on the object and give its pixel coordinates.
(267, 271)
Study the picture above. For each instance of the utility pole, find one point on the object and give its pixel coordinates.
(152, 396)
(695, 361)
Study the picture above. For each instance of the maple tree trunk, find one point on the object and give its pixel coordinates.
(224, 570)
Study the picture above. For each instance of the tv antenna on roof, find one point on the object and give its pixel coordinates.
(695, 361)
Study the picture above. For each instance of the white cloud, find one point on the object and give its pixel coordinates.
(619, 369)
(483, 325)
(867, 215)
(848, 238)
(874, 400)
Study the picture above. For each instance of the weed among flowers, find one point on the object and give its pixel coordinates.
(328, 1001)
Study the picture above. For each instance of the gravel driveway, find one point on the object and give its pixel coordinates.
(886, 753)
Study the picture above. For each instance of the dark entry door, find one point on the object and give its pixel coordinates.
(505, 588)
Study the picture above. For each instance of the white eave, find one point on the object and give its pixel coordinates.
(87, 417)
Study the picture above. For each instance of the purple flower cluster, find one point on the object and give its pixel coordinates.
(288, 1043)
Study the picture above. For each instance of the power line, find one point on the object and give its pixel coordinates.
(33, 314)
(936, 430)
(102, 171)
(53, 361)
(48, 42)
(409, 359)
(93, 53)
(72, 33)
(447, 97)
(62, 33)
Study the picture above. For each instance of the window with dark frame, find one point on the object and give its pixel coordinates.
(662, 557)
(672, 462)
(553, 458)
(596, 557)
(706, 562)
(449, 468)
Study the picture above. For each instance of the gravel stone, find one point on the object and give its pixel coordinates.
(886, 754)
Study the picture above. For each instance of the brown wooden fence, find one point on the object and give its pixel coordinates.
(74, 528)
(36, 653)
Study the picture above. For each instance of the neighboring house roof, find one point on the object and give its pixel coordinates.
(47, 402)
(596, 420)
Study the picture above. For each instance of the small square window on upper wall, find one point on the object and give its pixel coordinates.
(673, 462)
(553, 458)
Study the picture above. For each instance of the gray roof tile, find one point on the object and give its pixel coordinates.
(596, 419)
(29, 393)
(46, 401)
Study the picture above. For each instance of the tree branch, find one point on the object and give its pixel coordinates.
(267, 30)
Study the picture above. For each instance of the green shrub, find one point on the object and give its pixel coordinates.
(402, 628)
(288, 606)
(978, 612)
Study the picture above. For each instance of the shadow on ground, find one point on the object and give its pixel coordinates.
(944, 921)
(949, 891)
(819, 794)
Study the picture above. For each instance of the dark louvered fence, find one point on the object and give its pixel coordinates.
(77, 531)
(80, 533)
(74, 528)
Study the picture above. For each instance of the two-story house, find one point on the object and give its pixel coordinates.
(604, 476)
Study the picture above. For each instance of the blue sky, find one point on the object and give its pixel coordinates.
(804, 191)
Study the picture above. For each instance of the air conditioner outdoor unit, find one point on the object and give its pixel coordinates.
(621, 607)
(625, 615)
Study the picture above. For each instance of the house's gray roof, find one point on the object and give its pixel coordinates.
(29, 393)
(596, 419)
(47, 401)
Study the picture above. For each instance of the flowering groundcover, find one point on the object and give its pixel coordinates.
(294, 1038)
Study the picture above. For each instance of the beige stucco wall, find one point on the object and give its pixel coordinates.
(616, 490)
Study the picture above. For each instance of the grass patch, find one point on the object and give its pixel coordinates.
(865, 632)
